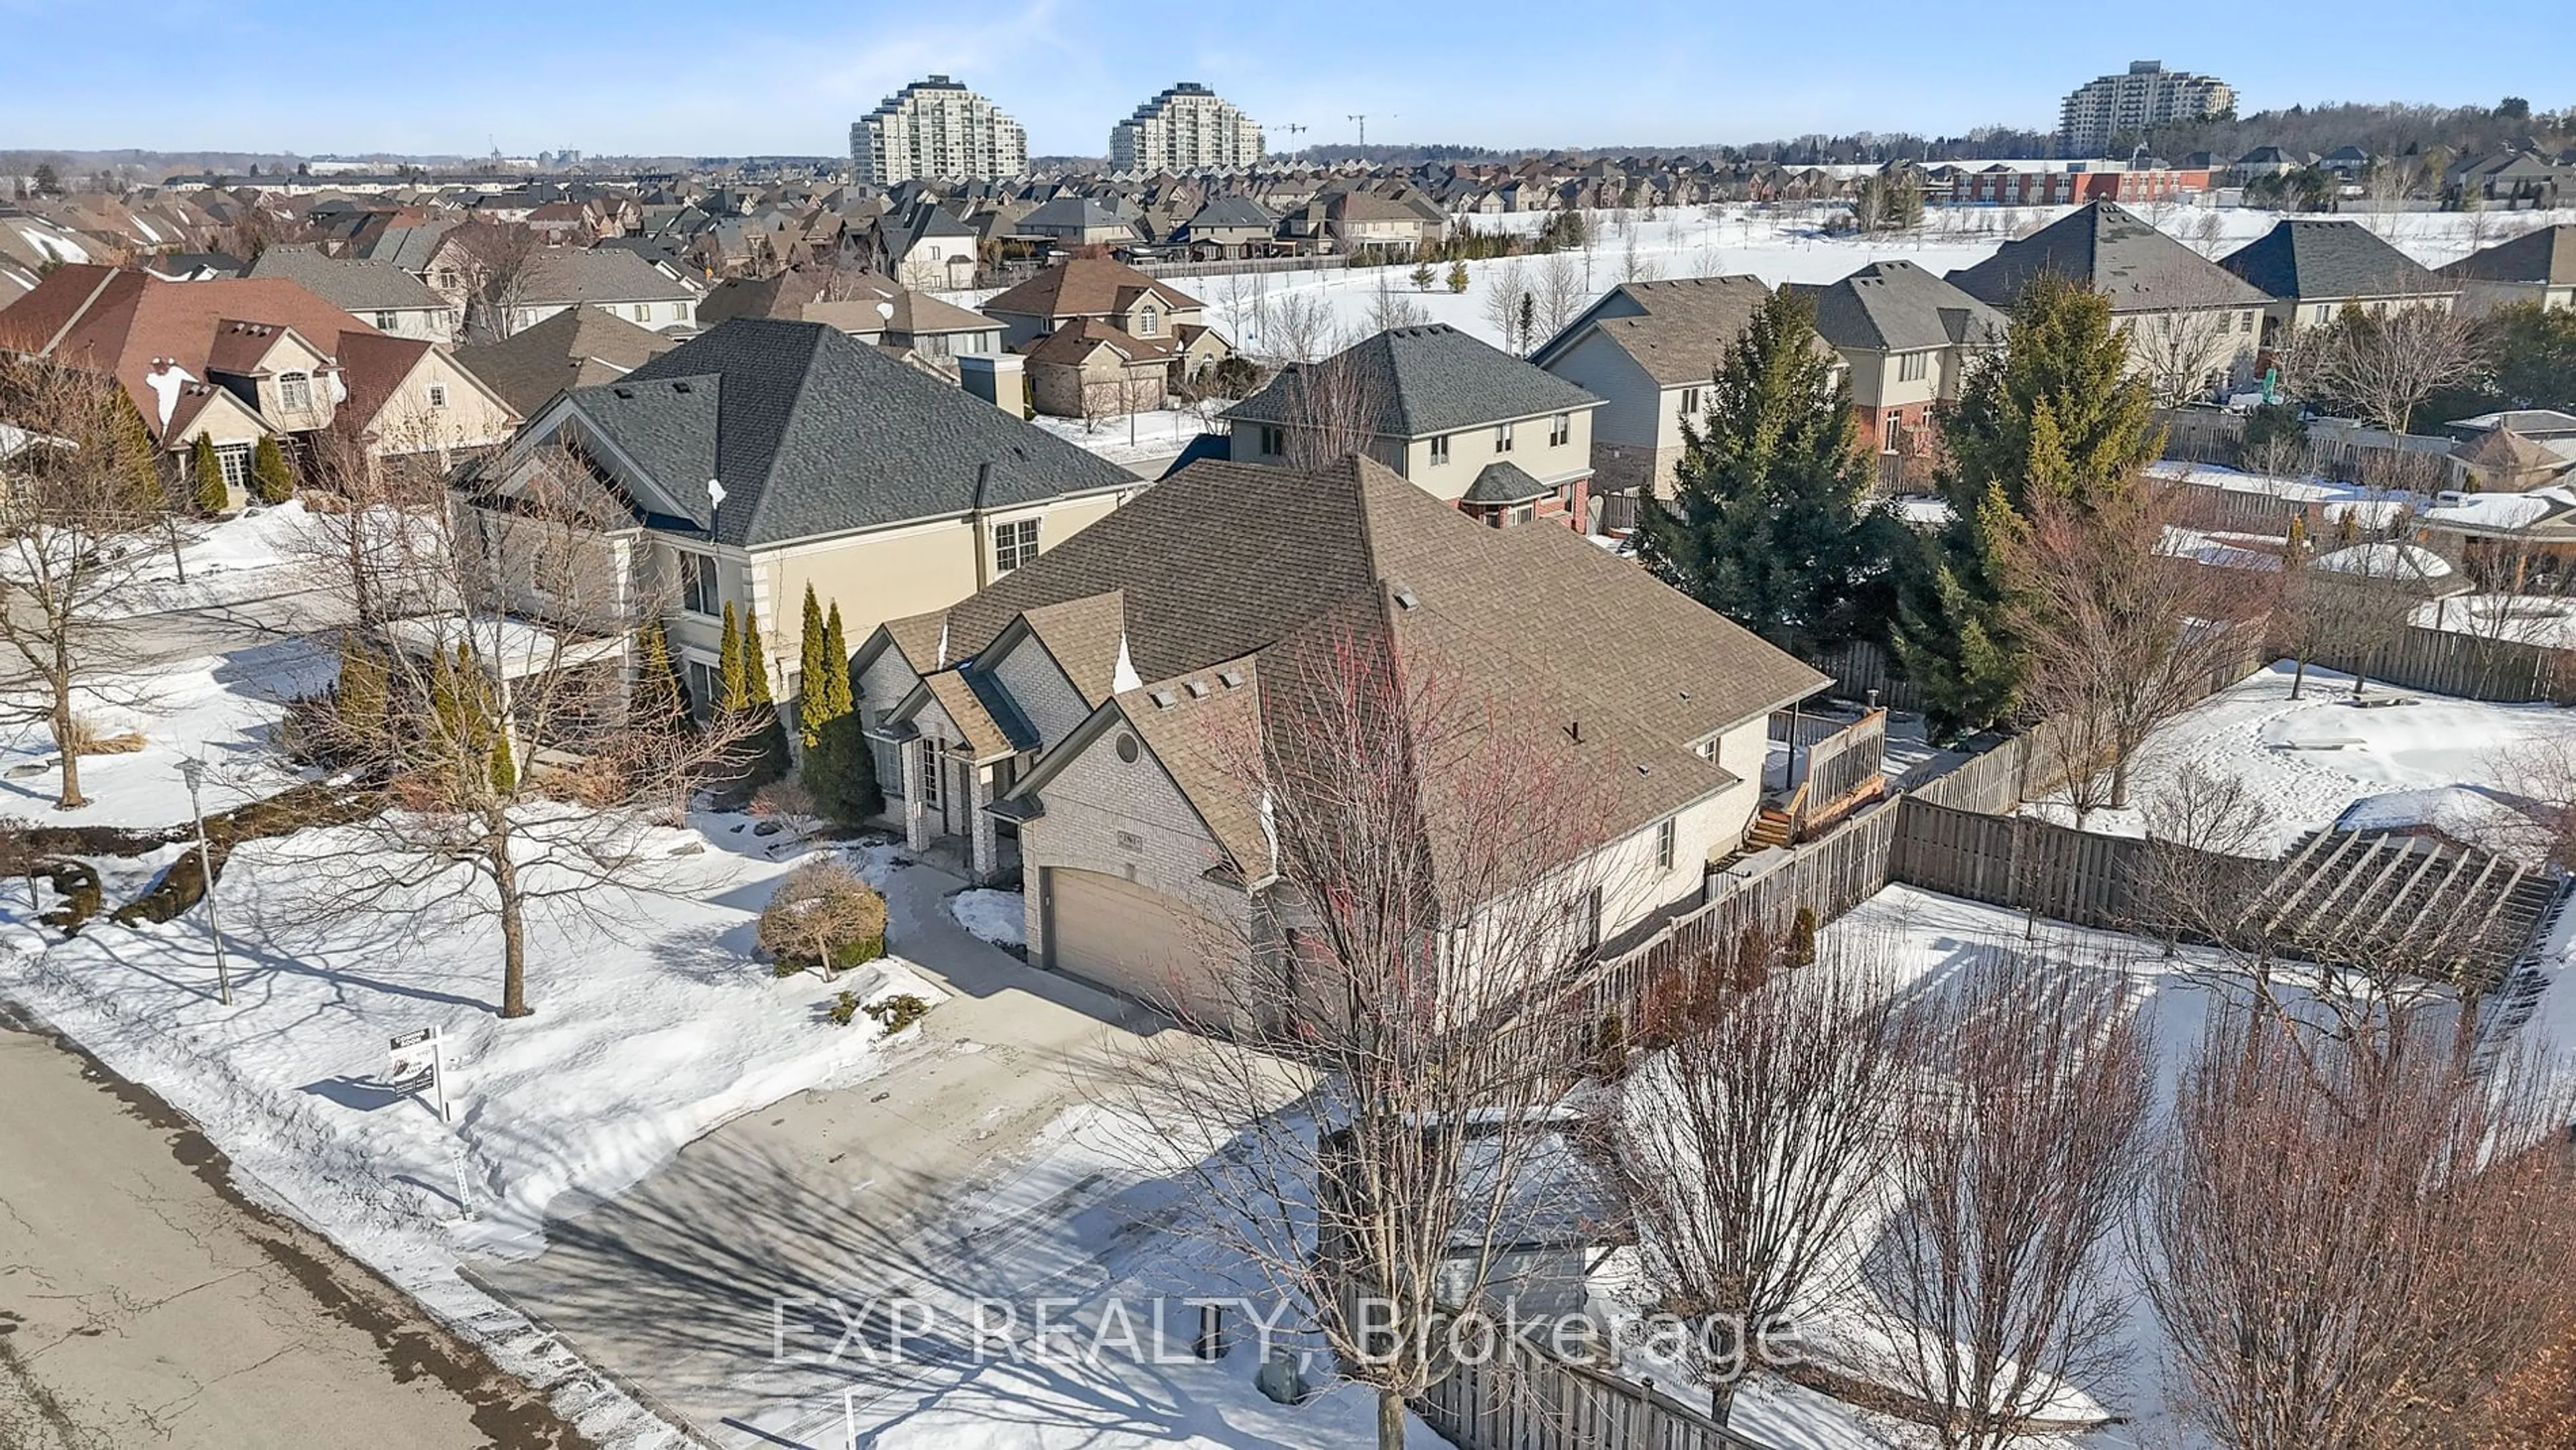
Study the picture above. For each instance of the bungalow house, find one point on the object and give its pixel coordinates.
(764, 456)
(239, 359)
(393, 300)
(1091, 369)
(1648, 350)
(609, 278)
(1504, 441)
(2313, 268)
(579, 347)
(2190, 324)
(2538, 266)
(1072, 223)
(1908, 339)
(1072, 720)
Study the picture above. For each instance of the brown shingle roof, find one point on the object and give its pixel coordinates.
(120, 321)
(1085, 287)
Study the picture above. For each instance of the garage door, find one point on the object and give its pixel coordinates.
(1116, 934)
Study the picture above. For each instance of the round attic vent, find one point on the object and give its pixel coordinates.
(1127, 747)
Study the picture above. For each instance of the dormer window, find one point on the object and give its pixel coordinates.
(1148, 322)
(295, 392)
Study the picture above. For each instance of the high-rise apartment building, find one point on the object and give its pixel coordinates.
(1186, 128)
(2147, 95)
(937, 130)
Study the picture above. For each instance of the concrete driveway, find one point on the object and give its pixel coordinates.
(674, 1287)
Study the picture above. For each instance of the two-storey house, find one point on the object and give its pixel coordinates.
(1907, 340)
(2312, 268)
(1648, 351)
(1471, 425)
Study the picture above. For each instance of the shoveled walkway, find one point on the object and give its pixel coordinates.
(673, 1287)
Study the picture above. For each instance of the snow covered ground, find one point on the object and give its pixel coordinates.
(999, 917)
(248, 556)
(1131, 439)
(1776, 244)
(650, 1028)
(218, 708)
(2308, 759)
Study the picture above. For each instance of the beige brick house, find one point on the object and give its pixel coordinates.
(1072, 721)
(1648, 350)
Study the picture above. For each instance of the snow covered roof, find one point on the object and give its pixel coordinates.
(2383, 560)
(2501, 511)
(2463, 813)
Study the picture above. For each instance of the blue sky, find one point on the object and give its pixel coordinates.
(655, 76)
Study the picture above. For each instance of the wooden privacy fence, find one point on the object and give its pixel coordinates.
(1828, 875)
(2447, 662)
(1845, 760)
(1522, 1396)
(1860, 667)
(2022, 863)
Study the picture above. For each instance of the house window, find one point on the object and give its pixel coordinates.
(2245, 322)
(234, 458)
(446, 279)
(1440, 449)
(931, 768)
(643, 311)
(1664, 844)
(1274, 441)
(1708, 750)
(1911, 367)
(294, 392)
(699, 679)
(1502, 438)
(438, 395)
(1522, 512)
(1014, 544)
(1559, 429)
(1690, 402)
(698, 584)
(1148, 322)
(385, 321)
(1895, 432)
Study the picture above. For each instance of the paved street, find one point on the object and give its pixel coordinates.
(143, 1302)
(670, 1287)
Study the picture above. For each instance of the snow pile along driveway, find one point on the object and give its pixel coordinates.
(645, 1035)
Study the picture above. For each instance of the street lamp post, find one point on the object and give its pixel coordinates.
(193, 771)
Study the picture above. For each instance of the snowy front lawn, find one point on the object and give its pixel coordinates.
(225, 561)
(2310, 758)
(652, 1025)
(216, 707)
(999, 917)
(1130, 438)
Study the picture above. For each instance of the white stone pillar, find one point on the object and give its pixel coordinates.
(916, 821)
(983, 859)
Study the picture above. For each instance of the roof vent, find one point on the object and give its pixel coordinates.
(1162, 698)
(1198, 689)
(680, 387)
(1574, 731)
(1405, 598)
(623, 392)
(1644, 769)
(1231, 679)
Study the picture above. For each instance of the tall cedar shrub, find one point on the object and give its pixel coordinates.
(271, 480)
(206, 476)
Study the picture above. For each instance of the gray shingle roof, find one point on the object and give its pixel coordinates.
(813, 432)
(600, 275)
(1230, 211)
(2115, 252)
(1501, 483)
(2310, 259)
(1076, 212)
(2547, 255)
(350, 286)
(1422, 381)
(578, 347)
(1899, 307)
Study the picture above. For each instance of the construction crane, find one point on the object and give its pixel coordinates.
(1363, 120)
(1292, 128)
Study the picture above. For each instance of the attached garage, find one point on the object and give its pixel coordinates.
(1113, 933)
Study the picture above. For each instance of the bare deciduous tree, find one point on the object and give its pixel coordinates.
(2197, 336)
(1749, 1152)
(2384, 361)
(486, 684)
(1506, 291)
(2349, 1237)
(1562, 293)
(82, 508)
(1999, 1296)
(1334, 410)
(497, 260)
(2122, 634)
(1301, 326)
(1411, 977)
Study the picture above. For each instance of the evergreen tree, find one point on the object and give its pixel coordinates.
(836, 649)
(1771, 522)
(2058, 409)
(840, 770)
(755, 661)
(768, 745)
(733, 685)
(661, 699)
(505, 767)
(271, 481)
(813, 695)
(139, 457)
(206, 474)
(1458, 279)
